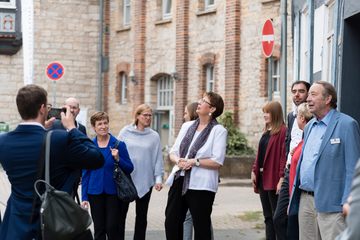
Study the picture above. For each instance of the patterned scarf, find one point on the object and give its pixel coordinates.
(199, 142)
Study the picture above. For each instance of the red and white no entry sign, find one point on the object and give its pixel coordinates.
(268, 38)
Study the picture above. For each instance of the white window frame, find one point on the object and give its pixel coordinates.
(165, 93)
(209, 73)
(11, 4)
(126, 12)
(304, 53)
(165, 7)
(275, 75)
(124, 83)
(209, 4)
(329, 34)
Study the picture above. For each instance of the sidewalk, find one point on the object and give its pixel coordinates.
(236, 212)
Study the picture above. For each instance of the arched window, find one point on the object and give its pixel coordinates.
(123, 88)
(209, 71)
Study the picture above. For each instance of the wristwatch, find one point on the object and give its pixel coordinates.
(197, 163)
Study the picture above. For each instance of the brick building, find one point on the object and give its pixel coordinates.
(162, 52)
(167, 53)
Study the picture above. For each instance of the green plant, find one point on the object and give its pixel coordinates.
(237, 144)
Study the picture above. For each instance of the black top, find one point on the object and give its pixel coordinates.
(264, 140)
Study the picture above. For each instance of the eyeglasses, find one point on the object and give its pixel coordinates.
(146, 115)
(201, 101)
(49, 106)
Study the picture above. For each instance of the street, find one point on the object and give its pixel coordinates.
(236, 212)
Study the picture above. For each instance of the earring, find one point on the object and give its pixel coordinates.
(210, 113)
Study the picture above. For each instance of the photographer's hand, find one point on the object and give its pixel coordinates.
(67, 119)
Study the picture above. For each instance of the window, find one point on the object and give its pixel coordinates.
(7, 3)
(126, 12)
(166, 9)
(276, 75)
(123, 89)
(209, 3)
(165, 92)
(329, 42)
(209, 77)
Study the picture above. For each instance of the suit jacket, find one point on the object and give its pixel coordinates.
(19, 155)
(352, 231)
(290, 122)
(58, 125)
(338, 154)
(274, 161)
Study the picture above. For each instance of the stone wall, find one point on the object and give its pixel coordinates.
(65, 31)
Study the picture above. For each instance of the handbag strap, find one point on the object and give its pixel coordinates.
(47, 159)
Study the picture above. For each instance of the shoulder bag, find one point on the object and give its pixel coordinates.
(125, 188)
(60, 216)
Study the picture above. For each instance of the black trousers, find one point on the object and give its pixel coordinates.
(105, 212)
(268, 201)
(286, 227)
(199, 202)
(142, 206)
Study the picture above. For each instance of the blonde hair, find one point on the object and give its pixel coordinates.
(277, 117)
(303, 110)
(140, 109)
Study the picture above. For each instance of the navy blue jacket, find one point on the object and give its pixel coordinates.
(19, 155)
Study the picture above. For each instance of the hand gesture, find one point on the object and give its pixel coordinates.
(158, 186)
(115, 153)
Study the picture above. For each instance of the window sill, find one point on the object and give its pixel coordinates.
(206, 12)
(123, 29)
(268, 1)
(163, 21)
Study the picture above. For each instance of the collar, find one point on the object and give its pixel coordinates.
(326, 119)
(32, 124)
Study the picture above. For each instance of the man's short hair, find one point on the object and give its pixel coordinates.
(329, 90)
(307, 85)
(29, 100)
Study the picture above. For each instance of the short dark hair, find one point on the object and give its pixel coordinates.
(29, 100)
(307, 85)
(329, 90)
(216, 102)
(98, 116)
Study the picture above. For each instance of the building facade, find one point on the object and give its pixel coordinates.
(167, 53)
(63, 31)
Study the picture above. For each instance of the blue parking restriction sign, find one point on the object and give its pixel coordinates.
(55, 71)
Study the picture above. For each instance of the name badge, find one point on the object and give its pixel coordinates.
(335, 140)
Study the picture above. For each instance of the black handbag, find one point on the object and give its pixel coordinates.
(125, 188)
(60, 216)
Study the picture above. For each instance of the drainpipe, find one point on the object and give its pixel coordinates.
(283, 57)
(99, 95)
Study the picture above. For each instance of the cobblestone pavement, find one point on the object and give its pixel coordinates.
(233, 213)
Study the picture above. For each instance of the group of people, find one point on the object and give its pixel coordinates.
(303, 172)
(137, 150)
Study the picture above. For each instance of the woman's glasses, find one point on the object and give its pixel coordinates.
(202, 100)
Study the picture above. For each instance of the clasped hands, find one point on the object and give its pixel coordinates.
(186, 164)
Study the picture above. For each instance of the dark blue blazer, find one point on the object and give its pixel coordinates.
(20, 151)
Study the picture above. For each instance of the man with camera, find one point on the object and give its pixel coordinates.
(21, 154)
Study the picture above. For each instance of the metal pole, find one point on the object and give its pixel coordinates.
(99, 100)
(27, 22)
(270, 82)
(310, 67)
(283, 58)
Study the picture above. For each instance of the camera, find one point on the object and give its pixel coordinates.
(56, 112)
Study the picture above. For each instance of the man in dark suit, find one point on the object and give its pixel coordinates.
(74, 106)
(20, 156)
(299, 90)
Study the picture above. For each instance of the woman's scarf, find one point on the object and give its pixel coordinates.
(199, 142)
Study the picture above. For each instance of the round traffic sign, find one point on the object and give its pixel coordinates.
(55, 71)
(267, 38)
